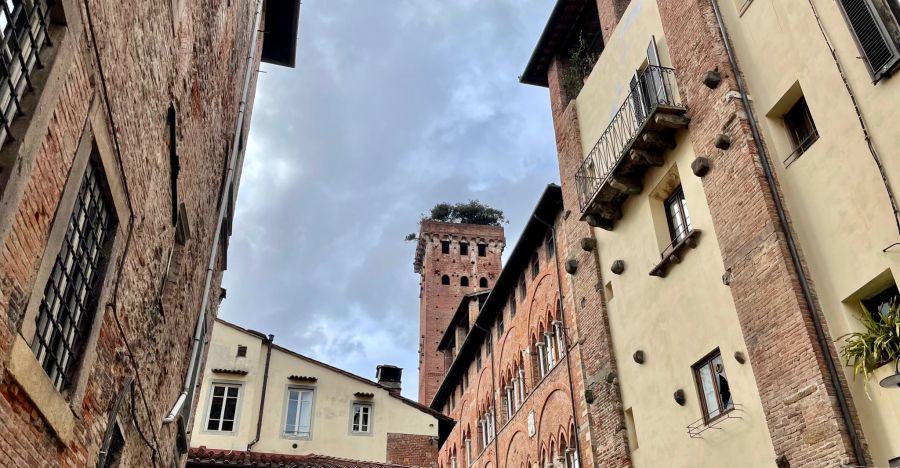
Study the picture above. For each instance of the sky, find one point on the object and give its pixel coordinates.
(394, 106)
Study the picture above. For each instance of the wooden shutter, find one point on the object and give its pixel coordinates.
(874, 42)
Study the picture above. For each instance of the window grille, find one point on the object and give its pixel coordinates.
(23, 34)
(71, 290)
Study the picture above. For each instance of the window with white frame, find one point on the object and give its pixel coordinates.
(361, 418)
(298, 418)
(223, 404)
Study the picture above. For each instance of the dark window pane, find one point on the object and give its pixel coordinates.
(69, 295)
(227, 425)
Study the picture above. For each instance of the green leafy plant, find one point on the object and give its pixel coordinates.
(579, 65)
(878, 345)
(471, 212)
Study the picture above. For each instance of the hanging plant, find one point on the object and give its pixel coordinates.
(579, 65)
(878, 345)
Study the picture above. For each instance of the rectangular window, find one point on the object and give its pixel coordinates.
(677, 215)
(464, 248)
(362, 418)
(241, 351)
(872, 37)
(487, 345)
(551, 246)
(879, 305)
(223, 407)
(482, 250)
(535, 266)
(478, 360)
(445, 247)
(70, 295)
(23, 33)
(715, 393)
(298, 421)
(801, 128)
(500, 329)
(522, 287)
(512, 304)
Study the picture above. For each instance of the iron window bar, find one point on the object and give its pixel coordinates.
(71, 289)
(655, 87)
(24, 28)
(801, 147)
(698, 427)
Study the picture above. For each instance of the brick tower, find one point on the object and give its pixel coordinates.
(453, 259)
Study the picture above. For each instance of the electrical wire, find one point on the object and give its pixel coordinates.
(115, 298)
(862, 121)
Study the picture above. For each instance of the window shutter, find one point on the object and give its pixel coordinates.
(872, 38)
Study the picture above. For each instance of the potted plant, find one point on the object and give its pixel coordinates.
(877, 347)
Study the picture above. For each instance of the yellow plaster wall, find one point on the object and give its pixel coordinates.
(834, 193)
(675, 320)
(332, 401)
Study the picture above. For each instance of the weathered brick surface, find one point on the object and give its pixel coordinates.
(610, 12)
(605, 432)
(419, 451)
(549, 399)
(145, 66)
(438, 302)
(773, 314)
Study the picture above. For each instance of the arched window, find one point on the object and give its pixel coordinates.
(482, 283)
(463, 280)
(571, 451)
(445, 279)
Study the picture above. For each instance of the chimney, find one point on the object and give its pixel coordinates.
(389, 377)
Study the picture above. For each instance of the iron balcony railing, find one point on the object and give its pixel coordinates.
(652, 88)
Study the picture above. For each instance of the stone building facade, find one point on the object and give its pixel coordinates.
(513, 376)
(731, 162)
(453, 260)
(123, 130)
(285, 404)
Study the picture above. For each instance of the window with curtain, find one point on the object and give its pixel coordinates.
(361, 421)
(298, 421)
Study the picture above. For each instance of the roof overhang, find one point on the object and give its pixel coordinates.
(461, 310)
(548, 208)
(280, 37)
(557, 32)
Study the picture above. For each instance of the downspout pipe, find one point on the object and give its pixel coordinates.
(858, 452)
(197, 346)
(262, 398)
(562, 318)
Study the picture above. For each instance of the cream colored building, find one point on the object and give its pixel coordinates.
(259, 397)
(693, 293)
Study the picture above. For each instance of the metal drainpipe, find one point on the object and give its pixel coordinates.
(262, 398)
(562, 318)
(232, 164)
(858, 451)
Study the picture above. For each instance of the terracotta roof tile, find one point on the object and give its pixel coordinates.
(206, 457)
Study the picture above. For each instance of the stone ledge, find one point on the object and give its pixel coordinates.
(24, 368)
(674, 253)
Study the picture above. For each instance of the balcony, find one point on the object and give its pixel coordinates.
(641, 131)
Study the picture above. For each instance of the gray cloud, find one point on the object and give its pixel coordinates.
(393, 107)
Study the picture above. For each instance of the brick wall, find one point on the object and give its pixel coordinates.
(145, 66)
(438, 302)
(776, 322)
(604, 436)
(549, 400)
(418, 451)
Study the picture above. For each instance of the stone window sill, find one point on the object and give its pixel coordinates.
(27, 372)
(674, 253)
